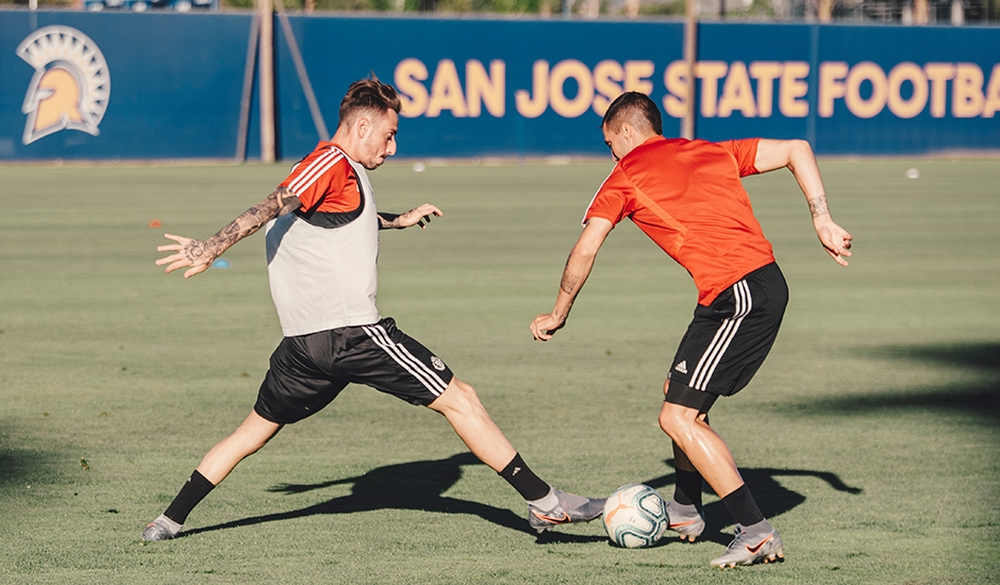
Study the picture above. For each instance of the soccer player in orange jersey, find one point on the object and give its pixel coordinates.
(322, 248)
(686, 195)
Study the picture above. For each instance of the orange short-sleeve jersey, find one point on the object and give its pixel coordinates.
(325, 177)
(686, 195)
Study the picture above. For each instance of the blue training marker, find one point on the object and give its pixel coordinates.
(221, 263)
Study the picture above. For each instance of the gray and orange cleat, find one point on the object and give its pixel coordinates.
(162, 528)
(687, 524)
(747, 549)
(571, 508)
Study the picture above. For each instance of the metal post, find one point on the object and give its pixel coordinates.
(957, 13)
(267, 135)
(251, 63)
(300, 69)
(690, 58)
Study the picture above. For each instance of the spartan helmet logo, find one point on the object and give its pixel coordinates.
(71, 85)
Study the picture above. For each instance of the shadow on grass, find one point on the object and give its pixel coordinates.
(25, 467)
(773, 498)
(12, 465)
(980, 398)
(417, 485)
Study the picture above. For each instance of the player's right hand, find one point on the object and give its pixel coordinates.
(545, 326)
(836, 241)
(190, 252)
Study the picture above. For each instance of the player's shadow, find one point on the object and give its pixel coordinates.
(773, 498)
(417, 485)
(17, 466)
(976, 394)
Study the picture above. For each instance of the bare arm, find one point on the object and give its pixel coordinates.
(199, 254)
(578, 267)
(798, 156)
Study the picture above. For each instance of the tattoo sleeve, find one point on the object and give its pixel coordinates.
(818, 206)
(387, 221)
(280, 202)
(569, 282)
(289, 201)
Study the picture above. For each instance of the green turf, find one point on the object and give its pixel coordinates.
(870, 436)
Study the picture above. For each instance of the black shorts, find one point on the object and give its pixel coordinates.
(728, 340)
(309, 371)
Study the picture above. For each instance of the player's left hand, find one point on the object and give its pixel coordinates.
(836, 241)
(545, 326)
(190, 252)
(419, 216)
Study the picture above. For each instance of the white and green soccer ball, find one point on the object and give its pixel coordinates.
(635, 516)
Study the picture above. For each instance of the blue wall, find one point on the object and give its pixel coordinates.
(416, 54)
(517, 87)
(175, 84)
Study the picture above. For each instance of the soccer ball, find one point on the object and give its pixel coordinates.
(635, 516)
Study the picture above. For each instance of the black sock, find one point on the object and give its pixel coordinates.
(742, 506)
(687, 489)
(521, 478)
(194, 491)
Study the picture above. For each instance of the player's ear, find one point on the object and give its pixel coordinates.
(625, 130)
(363, 126)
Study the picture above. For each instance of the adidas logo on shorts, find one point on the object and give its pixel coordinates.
(682, 367)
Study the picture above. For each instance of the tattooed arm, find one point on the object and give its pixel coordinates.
(418, 216)
(578, 267)
(798, 157)
(199, 254)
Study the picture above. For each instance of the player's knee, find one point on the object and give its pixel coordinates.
(684, 409)
(459, 397)
(259, 444)
(667, 422)
(242, 445)
(470, 397)
(253, 434)
(677, 421)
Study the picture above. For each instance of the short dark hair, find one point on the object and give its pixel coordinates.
(369, 95)
(637, 109)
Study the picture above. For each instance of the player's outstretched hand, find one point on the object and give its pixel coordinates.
(545, 326)
(193, 253)
(419, 216)
(836, 240)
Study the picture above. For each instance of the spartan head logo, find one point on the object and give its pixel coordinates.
(71, 85)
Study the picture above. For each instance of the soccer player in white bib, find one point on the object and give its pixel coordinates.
(322, 246)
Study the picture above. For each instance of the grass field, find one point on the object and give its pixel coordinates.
(870, 436)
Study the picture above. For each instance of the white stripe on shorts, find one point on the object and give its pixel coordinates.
(398, 352)
(316, 168)
(723, 337)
